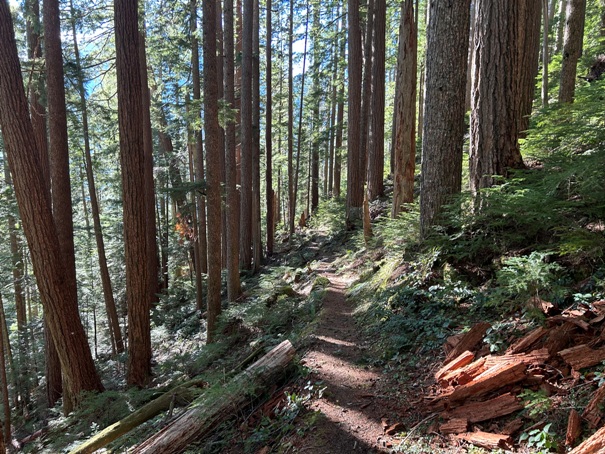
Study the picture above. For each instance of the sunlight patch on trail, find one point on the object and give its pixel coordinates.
(335, 341)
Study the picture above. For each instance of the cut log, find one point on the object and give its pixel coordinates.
(574, 428)
(582, 356)
(593, 445)
(492, 379)
(464, 359)
(593, 413)
(463, 375)
(211, 409)
(487, 440)
(454, 426)
(183, 393)
(483, 411)
(526, 342)
(534, 358)
(469, 341)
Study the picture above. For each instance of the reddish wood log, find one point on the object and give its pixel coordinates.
(463, 375)
(526, 342)
(454, 426)
(469, 341)
(487, 440)
(464, 359)
(574, 428)
(582, 356)
(513, 426)
(593, 413)
(483, 411)
(535, 357)
(560, 337)
(209, 411)
(492, 379)
(593, 445)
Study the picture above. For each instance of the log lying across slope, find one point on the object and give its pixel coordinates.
(211, 409)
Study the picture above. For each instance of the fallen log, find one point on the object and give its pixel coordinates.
(454, 426)
(534, 357)
(593, 445)
(487, 440)
(464, 359)
(492, 379)
(593, 413)
(574, 320)
(210, 410)
(483, 411)
(582, 356)
(183, 393)
(463, 375)
(469, 341)
(574, 428)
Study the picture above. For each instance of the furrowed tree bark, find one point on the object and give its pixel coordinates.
(58, 299)
(257, 247)
(132, 161)
(366, 87)
(572, 48)
(232, 206)
(3, 378)
(404, 146)
(443, 123)
(213, 169)
(181, 393)
(207, 412)
(269, 192)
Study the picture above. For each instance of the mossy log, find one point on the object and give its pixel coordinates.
(210, 410)
(183, 393)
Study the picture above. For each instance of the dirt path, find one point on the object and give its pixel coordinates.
(351, 409)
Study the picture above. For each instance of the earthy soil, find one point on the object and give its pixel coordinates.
(352, 413)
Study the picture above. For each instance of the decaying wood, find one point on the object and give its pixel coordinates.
(542, 305)
(210, 410)
(463, 375)
(464, 359)
(483, 411)
(582, 356)
(560, 337)
(534, 357)
(487, 440)
(454, 426)
(469, 341)
(574, 320)
(451, 342)
(513, 426)
(526, 342)
(573, 428)
(593, 413)
(592, 445)
(492, 379)
(184, 393)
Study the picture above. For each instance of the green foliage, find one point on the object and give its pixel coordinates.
(536, 403)
(542, 439)
(330, 217)
(527, 276)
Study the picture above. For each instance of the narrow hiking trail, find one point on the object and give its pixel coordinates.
(352, 413)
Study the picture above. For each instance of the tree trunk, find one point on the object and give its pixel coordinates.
(291, 201)
(529, 59)
(443, 124)
(339, 117)
(366, 87)
(210, 410)
(232, 206)
(354, 170)
(4, 379)
(132, 161)
(257, 249)
(315, 96)
(494, 147)
(269, 193)
(213, 170)
(404, 143)
(110, 305)
(375, 167)
(572, 48)
(545, 52)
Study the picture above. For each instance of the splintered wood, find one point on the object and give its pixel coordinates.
(476, 390)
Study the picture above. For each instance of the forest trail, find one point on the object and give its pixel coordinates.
(350, 410)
